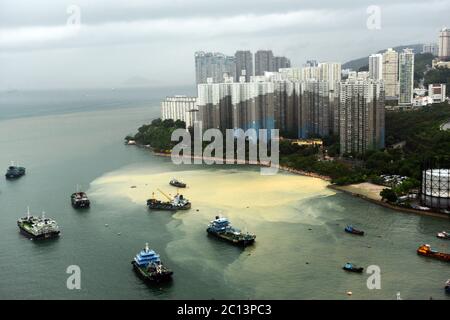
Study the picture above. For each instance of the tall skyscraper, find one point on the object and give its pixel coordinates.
(213, 65)
(244, 61)
(281, 62)
(406, 77)
(264, 61)
(330, 72)
(390, 73)
(361, 114)
(376, 66)
(444, 44)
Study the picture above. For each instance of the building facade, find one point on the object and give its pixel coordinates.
(432, 48)
(180, 107)
(436, 92)
(361, 117)
(244, 64)
(264, 61)
(406, 77)
(281, 62)
(213, 65)
(330, 72)
(444, 44)
(390, 73)
(376, 66)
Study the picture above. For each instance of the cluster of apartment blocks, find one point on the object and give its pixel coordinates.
(304, 102)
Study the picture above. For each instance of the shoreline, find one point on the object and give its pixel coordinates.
(256, 163)
(388, 205)
(324, 178)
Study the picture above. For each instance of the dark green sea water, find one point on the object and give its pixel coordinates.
(299, 223)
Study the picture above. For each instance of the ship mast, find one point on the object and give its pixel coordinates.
(43, 215)
(146, 247)
(28, 213)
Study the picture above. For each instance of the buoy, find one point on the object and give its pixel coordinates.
(106, 224)
(349, 293)
(118, 233)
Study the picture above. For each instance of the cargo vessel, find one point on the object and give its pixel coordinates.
(221, 228)
(425, 250)
(148, 265)
(178, 202)
(38, 227)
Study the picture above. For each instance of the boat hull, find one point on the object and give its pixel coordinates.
(355, 232)
(167, 206)
(165, 276)
(435, 255)
(228, 237)
(48, 235)
(178, 185)
(81, 204)
(356, 270)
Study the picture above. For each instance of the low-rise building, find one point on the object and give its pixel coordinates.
(437, 92)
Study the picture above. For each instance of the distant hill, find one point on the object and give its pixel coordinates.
(361, 62)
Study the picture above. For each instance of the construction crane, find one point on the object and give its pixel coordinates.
(165, 195)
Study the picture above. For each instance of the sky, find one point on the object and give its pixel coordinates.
(49, 44)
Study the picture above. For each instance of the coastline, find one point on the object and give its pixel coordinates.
(388, 205)
(256, 163)
(324, 178)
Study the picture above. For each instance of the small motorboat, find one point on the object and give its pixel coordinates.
(351, 229)
(447, 286)
(352, 268)
(174, 182)
(443, 235)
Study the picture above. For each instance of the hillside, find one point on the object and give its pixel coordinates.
(361, 62)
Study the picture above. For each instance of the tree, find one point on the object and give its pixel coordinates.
(389, 195)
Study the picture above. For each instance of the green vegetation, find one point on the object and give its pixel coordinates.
(388, 195)
(158, 134)
(422, 62)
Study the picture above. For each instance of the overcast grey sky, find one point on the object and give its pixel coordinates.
(152, 42)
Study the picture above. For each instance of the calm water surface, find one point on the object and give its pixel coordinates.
(300, 247)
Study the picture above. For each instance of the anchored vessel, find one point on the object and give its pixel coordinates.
(447, 286)
(14, 172)
(38, 227)
(351, 229)
(443, 235)
(174, 182)
(352, 268)
(221, 227)
(148, 265)
(425, 250)
(176, 203)
(80, 200)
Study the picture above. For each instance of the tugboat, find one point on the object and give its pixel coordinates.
(80, 200)
(14, 172)
(351, 229)
(447, 286)
(425, 250)
(352, 268)
(174, 182)
(176, 203)
(148, 265)
(221, 227)
(443, 235)
(38, 227)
